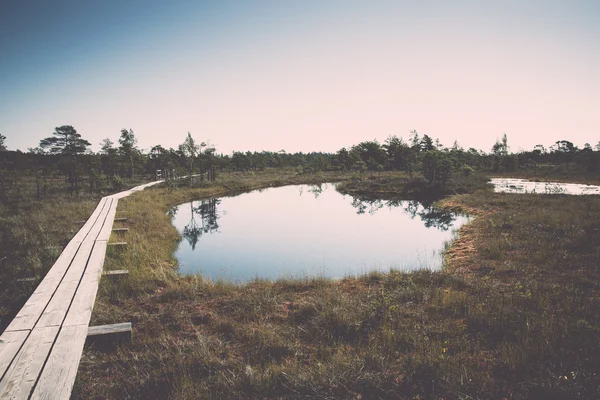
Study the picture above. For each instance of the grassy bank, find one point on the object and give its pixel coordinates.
(401, 185)
(515, 315)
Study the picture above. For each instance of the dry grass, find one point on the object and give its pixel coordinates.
(514, 315)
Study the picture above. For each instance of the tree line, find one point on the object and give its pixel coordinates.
(65, 157)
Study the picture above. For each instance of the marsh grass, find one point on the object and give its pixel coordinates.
(515, 314)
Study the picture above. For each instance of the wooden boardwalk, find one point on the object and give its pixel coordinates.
(41, 348)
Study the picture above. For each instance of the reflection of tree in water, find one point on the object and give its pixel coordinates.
(172, 212)
(316, 190)
(362, 204)
(432, 216)
(207, 210)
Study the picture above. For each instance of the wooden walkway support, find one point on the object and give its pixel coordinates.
(109, 335)
(41, 348)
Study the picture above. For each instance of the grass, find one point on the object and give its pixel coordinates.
(514, 315)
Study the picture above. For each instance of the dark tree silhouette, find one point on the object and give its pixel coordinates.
(66, 141)
(69, 144)
(128, 147)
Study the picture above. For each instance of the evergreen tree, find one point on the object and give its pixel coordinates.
(65, 141)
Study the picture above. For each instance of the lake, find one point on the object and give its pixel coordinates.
(513, 185)
(305, 231)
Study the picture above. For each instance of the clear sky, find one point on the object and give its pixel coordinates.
(301, 75)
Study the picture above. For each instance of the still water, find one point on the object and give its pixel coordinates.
(512, 185)
(305, 231)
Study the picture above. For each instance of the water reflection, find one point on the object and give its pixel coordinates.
(282, 232)
(316, 190)
(203, 219)
(432, 216)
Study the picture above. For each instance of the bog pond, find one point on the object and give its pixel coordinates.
(514, 185)
(305, 231)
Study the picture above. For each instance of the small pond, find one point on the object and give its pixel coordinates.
(308, 230)
(512, 185)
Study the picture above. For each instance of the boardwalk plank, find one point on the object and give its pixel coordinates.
(96, 263)
(10, 343)
(42, 296)
(83, 302)
(50, 330)
(107, 227)
(79, 236)
(35, 305)
(55, 312)
(58, 377)
(25, 368)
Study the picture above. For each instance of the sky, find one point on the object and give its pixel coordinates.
(301, 75)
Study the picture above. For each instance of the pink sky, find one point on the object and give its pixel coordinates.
(305, 76)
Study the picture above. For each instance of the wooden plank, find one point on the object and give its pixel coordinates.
(120, 230)
(56, 310)
(108, 223)
(63, 261)
(37, 302)
(109, 329)
(97, 228)
(10, 343)
(30, 313)
(55, 318)
(57, 307)
(58, 376)
(109, 335)
(80, 311)
(83, 232)
(96, 262)
(26, 366)
(116, 273)
(123, 219)
(118, 244)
